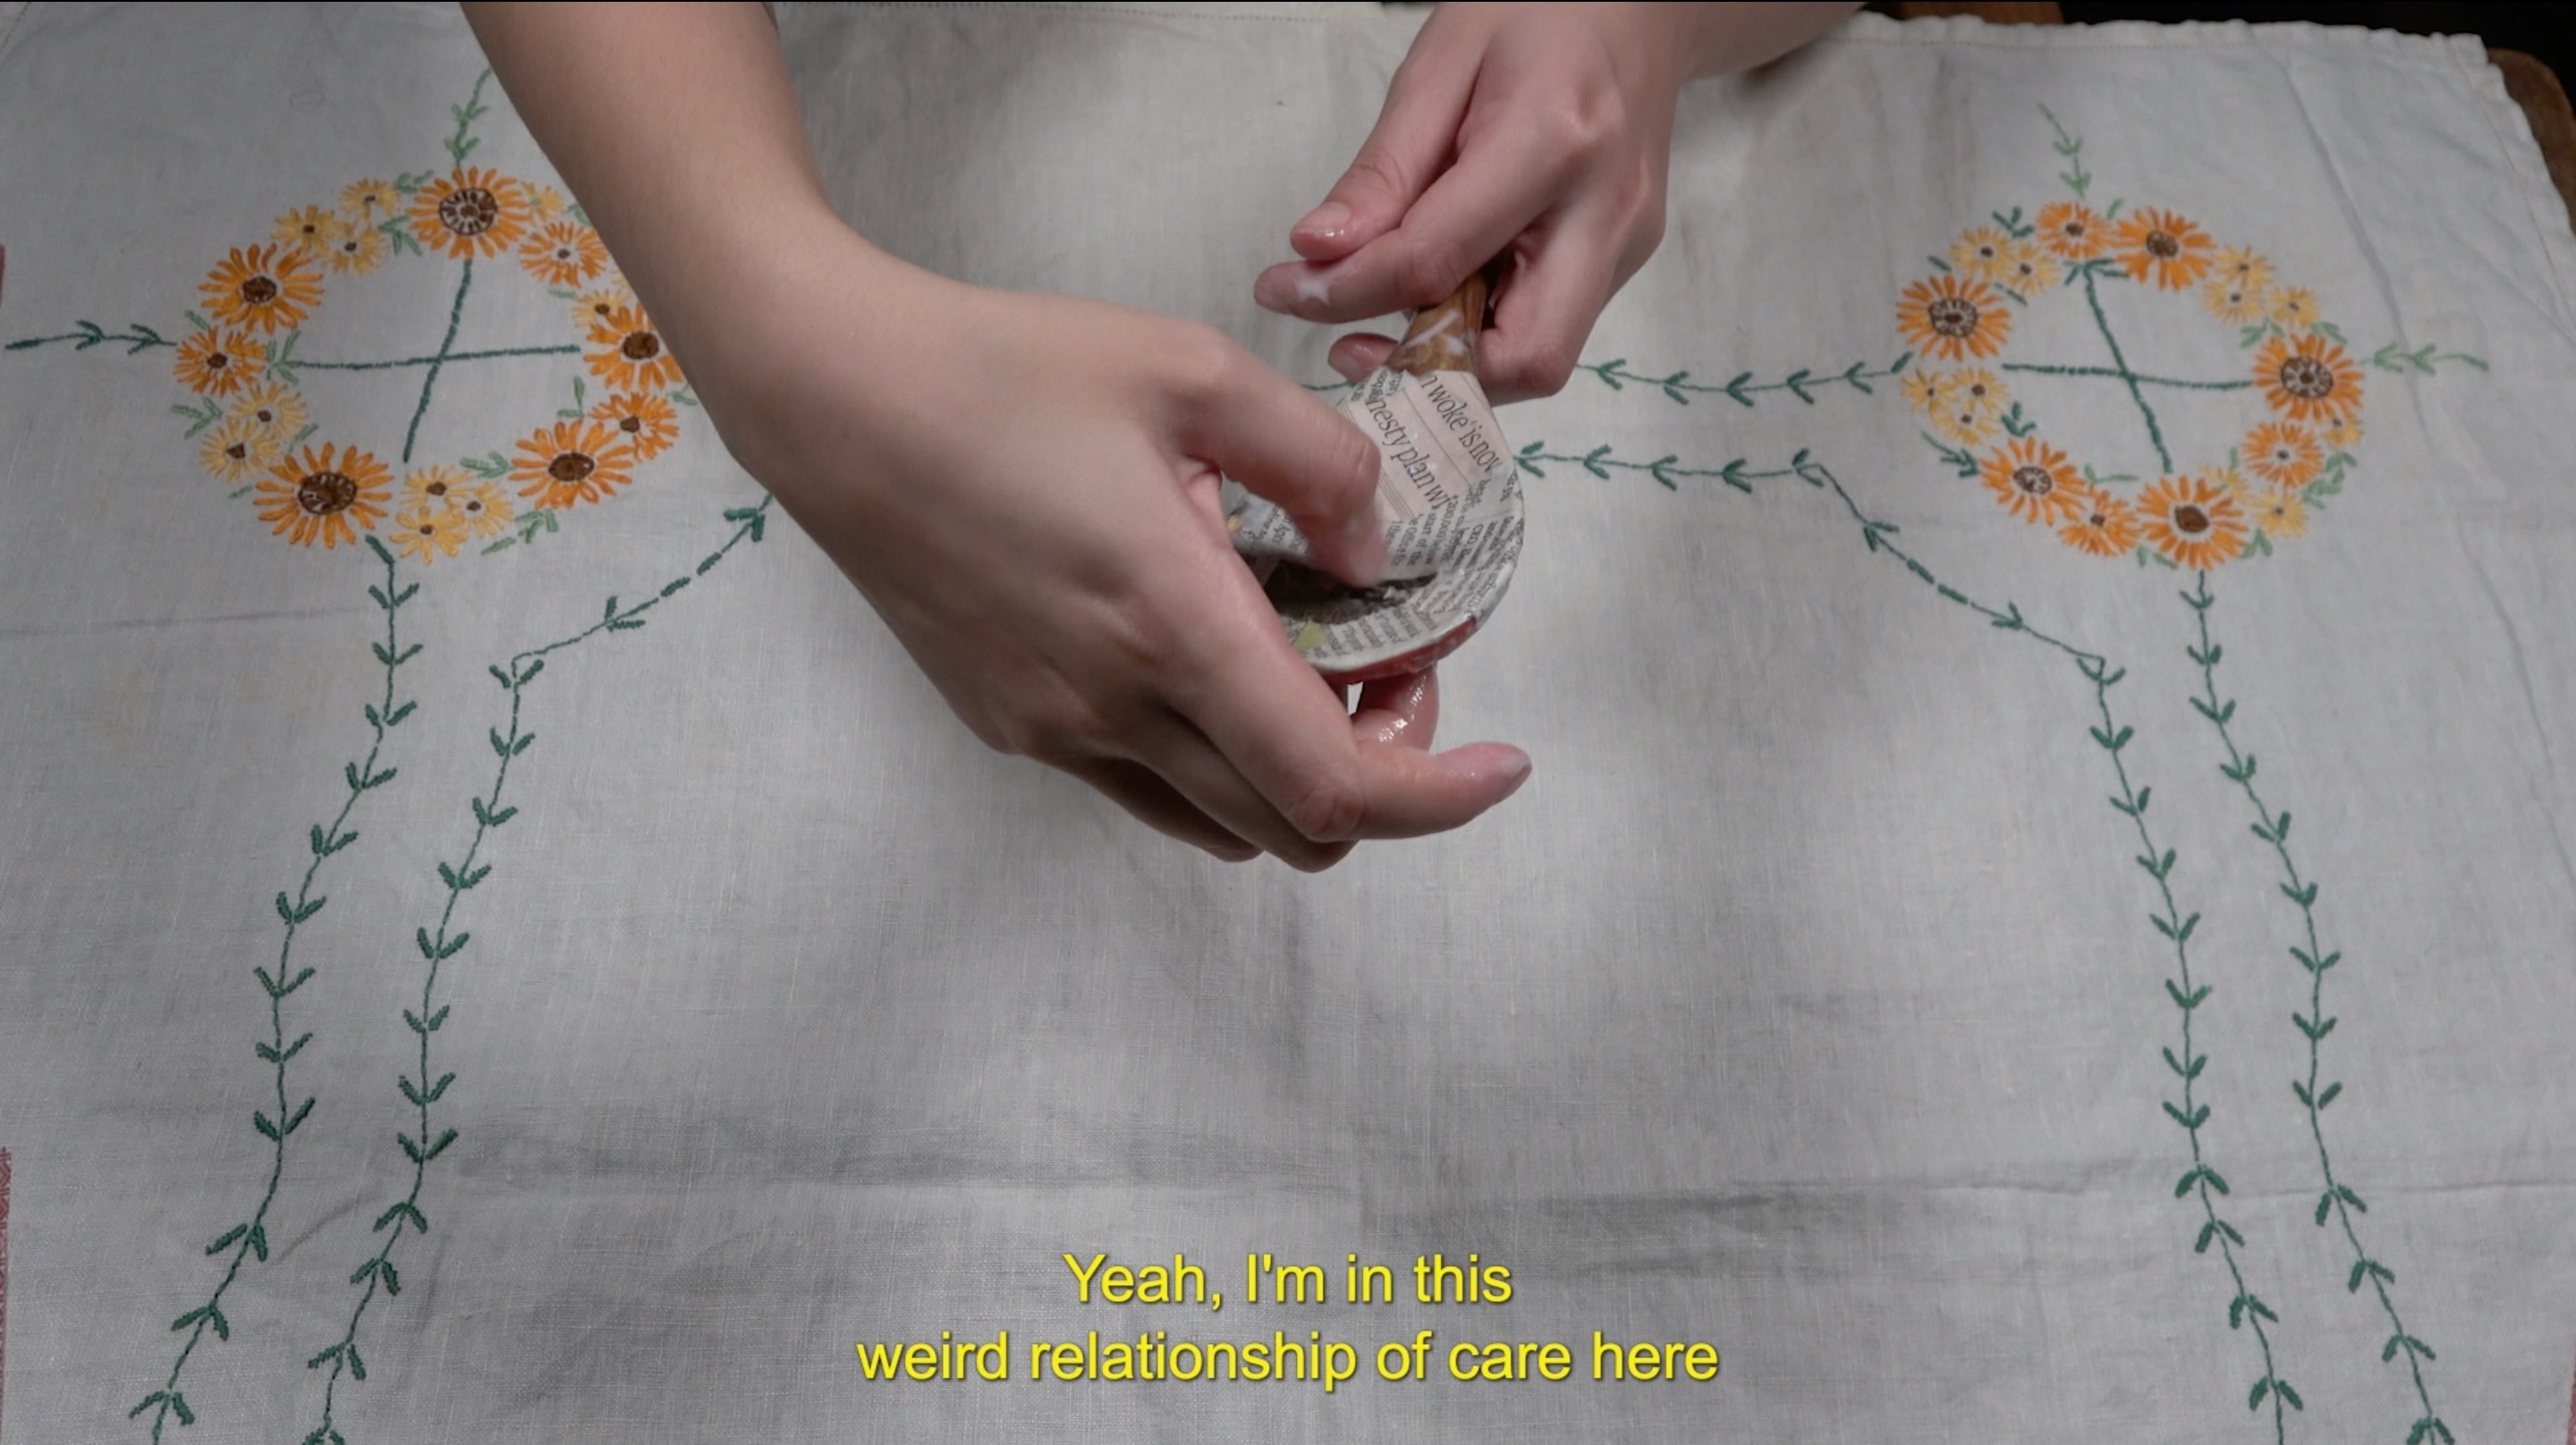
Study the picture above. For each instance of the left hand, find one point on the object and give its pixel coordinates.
(1543, 131)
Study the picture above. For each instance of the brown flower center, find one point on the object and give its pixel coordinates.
(2162, 245)
(570, 467)
(266, 417)
(644, 345)
(237, 451)
(258, 291)
(2033, 481)
(469, 211)
(322, 493)
(436, 489)
(2307, 378)
(473, 504)
(1952, 316)
(631, 424)
(217, 361)
(2190, 520)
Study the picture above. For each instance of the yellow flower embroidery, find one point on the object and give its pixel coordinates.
(563, 254)
(2072, 232)
(435, 486)
(2233, 301)
(275, 408)
(2163, 247)
(2308, 379)
(571, 462)
(238, 449)
(218, 362)
(628, 353)
(483, 508)
(1951, 320)
(2192, 521)
(2101, 525)
(2293, 308)
(548, 203)
(1979, 390)
(2284, 455)
(2028, 268)
(368, 199)
(648, 422)
(2241, 266)
(595, 306)
(309, 229)
(266, 289)
(317, 496)
(1979, 254)
(357, 250)
(2034, 481)
(426, 534)
(2342, 435)
(470, 212)
(1921, 389)
(2279, 512)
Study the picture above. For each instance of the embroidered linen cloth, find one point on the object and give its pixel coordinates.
(2044, 910)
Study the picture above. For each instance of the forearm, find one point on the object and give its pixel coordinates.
(1729, 37)
(677, 128)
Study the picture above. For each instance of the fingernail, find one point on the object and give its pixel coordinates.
(1514, 774)
(1329, 219)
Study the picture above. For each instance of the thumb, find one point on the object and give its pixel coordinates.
(1284, 445)
(1416, 130)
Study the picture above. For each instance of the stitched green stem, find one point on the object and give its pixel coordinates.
(2155, 433)
(248, 1239)
(429, 383)
(2044, 369)
(2339, 1202)
(442, 941)
(439, 359)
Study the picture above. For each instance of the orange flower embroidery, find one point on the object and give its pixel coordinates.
(266, 289)
(2028, 269)
(482, 508)
(357, 250)
(2102, 525)
(649, 423)
(2308, 379)
(275, 408)
(2193, 521)
(2234, 302)
(218, 362)
(563, 254)
(571, 462)
(2033, 480)
(2070, 231)
(2283, 455)
(630, 354)
(2163, 247)
(1950, 320)
(470, 212)
(318, 495)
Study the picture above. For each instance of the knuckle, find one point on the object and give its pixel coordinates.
(1377, 169)
(1202, 363)
(1545, 367)
(1427, 271)
(1326, 807)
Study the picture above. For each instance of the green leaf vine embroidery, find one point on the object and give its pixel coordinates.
(247, 1240)
(441, 941)
(1802, 383)
(2201, 1182)
(2338, 1202)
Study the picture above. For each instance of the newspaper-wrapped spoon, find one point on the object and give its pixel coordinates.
(1448, 496)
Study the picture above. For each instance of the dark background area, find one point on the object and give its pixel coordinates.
(2533, 30)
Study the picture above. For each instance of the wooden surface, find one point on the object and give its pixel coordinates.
(2532, 85)
(2535, 88)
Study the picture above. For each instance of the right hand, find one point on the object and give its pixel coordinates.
(1025, 487)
